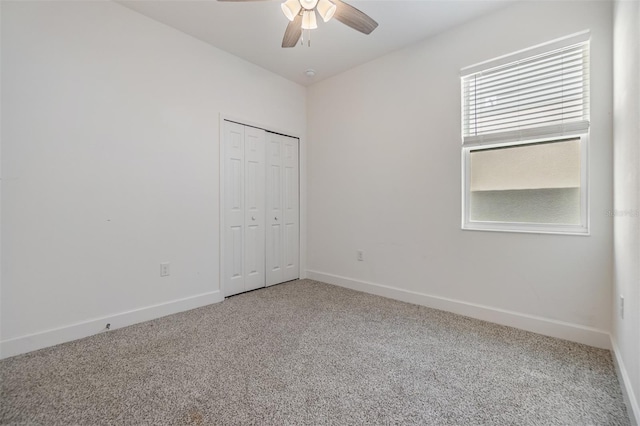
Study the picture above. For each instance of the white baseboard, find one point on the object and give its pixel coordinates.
(32, 342)
(625, 384)
(548, 327)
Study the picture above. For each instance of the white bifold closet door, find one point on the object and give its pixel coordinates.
(244, 208)
(260, 240)
(282, 209)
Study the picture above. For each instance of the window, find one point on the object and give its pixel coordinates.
(525, 125)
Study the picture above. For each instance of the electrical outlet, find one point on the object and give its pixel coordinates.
(360, 255)
(164, 269)
(622, 306)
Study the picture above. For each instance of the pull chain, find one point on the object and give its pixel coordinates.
(308, 38)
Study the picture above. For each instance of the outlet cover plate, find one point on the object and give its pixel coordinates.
(164, 269)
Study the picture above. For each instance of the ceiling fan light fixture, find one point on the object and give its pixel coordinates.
(308, 4)
(326, 9)
(291, 8)
(309, 21)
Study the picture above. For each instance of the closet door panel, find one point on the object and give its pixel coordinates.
(254, 208)
(291, 211)
(274, 209)
(233, 234)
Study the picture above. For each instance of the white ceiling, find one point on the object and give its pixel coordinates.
(254, 30)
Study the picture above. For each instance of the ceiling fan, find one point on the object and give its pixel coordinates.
(302, 16)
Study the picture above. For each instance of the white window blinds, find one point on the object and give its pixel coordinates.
(545, 94)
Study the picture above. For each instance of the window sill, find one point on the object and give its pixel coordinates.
(527, 228)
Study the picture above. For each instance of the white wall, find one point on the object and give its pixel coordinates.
(110, 162)
(626, 161)
(384, 177)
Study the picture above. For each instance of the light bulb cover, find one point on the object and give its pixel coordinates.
(326, 9)
(309, 20)
(291, 8)
(308, 4)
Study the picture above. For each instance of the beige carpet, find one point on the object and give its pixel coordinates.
(311, 353)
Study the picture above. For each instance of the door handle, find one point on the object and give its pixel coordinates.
(276, 218)
(253, 218)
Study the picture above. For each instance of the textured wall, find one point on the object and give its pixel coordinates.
(385, 176)
(626, 214)
(110, 159)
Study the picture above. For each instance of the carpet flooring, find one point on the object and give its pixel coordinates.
(306, 352)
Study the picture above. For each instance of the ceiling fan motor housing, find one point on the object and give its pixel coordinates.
(308, 4)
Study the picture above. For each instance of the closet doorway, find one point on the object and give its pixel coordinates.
(260, 208)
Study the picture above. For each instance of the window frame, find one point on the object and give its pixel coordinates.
(545, 134)
(529, 227)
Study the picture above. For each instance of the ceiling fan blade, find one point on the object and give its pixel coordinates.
(354, 18)
(293, 32)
